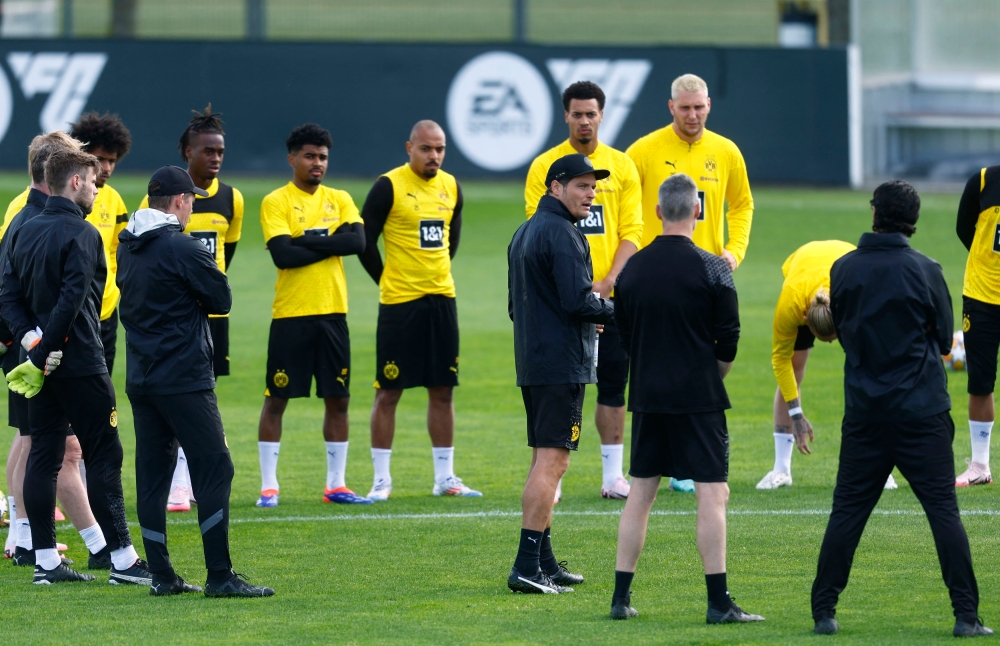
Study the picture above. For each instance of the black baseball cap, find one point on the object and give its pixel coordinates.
(571, 166)
(172, 180)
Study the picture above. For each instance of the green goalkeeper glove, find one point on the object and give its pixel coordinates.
(26, 379)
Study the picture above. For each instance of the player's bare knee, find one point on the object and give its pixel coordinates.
(337, 405)
(387, 399)
(443, 396)
(74, 453)
(274, 406)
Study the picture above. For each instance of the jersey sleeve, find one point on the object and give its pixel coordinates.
(740, 214)
(144, 204)
(121, 221)
(630, 205)
(634, 153)
(534, 186)
(349, 213)
(787, 320)
(968, 209)
(235, 229)
(274, 217)
(13, 209)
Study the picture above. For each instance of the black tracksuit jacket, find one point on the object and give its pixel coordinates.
(34, 206)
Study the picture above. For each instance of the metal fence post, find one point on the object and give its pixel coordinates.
(255, 19)
(67, 18)
(520, 21)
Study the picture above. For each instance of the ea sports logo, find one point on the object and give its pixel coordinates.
(499, 111)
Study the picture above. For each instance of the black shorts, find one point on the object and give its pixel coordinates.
(417, 344)
(612, 368)
(687, 447)
(219, 329)
(555, 415)
(109, 339)
(805, 339)
(981, 328)
(304, 347)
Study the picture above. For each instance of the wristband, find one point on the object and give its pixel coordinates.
(792, 412)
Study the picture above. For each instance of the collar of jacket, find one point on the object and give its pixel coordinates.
(553, 205)
(883, 240)
(58, 204)
(37, 198)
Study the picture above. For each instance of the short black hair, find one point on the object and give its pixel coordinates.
(583, 90)
(897, 208)
(105, 131)
(309, 134)
(207, 121)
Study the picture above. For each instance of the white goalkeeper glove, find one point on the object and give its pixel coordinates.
(52, 361)
(31, 339)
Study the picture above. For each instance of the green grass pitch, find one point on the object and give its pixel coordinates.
(420, 569)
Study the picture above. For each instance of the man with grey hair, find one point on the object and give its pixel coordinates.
(681, 335)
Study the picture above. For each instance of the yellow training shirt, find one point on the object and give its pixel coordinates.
(717, 167)
(13, 209)
(615, 215)
(417, 237)
(319, 288)
(982, 269)
(806, 272)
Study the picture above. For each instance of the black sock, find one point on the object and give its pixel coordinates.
(623, 583)
(527, 552)
(546, 559)
(218, 577)
(718, 592)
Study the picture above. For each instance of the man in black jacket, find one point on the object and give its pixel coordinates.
(678, 316)
(892, 312)
(170, 283)
(53, 283)
(554, 311)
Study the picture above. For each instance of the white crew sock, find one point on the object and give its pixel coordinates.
(47, 559)
(94, 538)
(783, 444)
(124, 557)
(611, 459)
(980, 432)
(444, 463)
(269, 464)
(181, 477)
(24, 534)
(380, 460)
(336, 464)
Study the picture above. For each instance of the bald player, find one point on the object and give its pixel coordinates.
(417, 209)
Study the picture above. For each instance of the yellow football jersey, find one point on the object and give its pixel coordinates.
(806, 271)
(717, 167)
(319, 288)
(417, 237)
(616, 214)
(13, 209)
(982, 268)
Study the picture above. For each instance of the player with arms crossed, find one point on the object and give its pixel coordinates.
(417, 208)
(614, 231)
(307, 228)
(712, 161)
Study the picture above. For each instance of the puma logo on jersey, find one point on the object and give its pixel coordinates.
(411, 195)
(671, 164)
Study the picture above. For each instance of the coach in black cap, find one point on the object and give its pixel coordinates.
(892, 311)
(549, 280)
(170, 284)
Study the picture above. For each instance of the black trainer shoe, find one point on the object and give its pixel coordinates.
(136, 574)
(62, 574)
(540, 583)
(621, 607)
(564, 576)
(100, 561)
(27, 557)
(828, 626)
(732, 615)
(166, 586)
(965, 629)
(236, 586)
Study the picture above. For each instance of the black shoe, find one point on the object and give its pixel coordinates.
(100, 561)
(732, 615)
(563, 576)
(62, 574)
(27, 557)
(621, 607)
(136, 574)
(828, 626)
(540, 583)
(236, 586)
(965, 629)
(166, 586)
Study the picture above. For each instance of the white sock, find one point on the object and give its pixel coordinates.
(181, 478)
(94, 538)
(269, 464)
(980, 432)
(11, 541)
(783, 444)
(124, 557)
(444, 462)
(24, 534)
(380, 460)
(611, 459)
(336, 464)
(47, 559)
